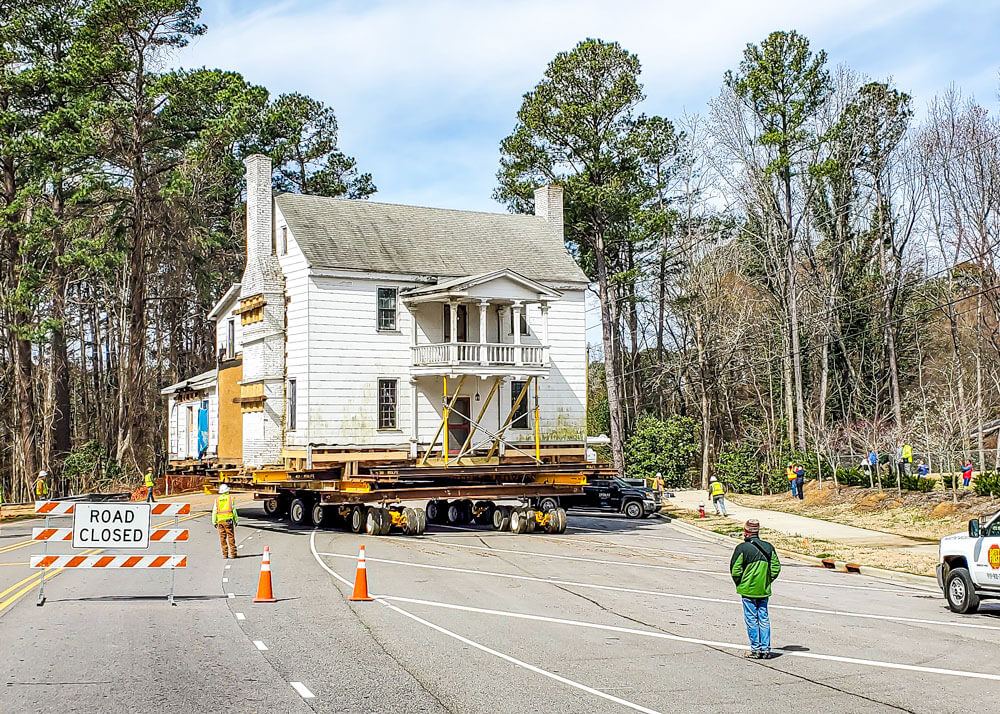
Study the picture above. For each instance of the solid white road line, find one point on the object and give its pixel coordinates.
(240, 616)
(260, 645)
(641, 565)
(302, 690)
(484, 648)
(660, 593)
(693, 640)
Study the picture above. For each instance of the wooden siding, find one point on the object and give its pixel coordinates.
(297, 335)
(230, 424)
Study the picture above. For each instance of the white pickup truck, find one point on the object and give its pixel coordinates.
(969, 564)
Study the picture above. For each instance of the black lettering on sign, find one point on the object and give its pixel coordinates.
(95, 516)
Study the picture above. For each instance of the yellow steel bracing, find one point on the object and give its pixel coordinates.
(479, 418)
(538, 433)
(444, 421)
(510, 416)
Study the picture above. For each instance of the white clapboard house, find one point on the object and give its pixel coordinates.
(359, 325)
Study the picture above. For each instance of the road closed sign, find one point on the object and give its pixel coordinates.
(111, 525)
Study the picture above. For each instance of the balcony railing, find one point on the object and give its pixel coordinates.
(482, 354)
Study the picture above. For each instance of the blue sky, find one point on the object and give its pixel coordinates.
(425, 90)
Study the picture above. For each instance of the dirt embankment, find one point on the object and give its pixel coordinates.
(915, 515)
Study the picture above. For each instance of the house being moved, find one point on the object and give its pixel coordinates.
(372, 331)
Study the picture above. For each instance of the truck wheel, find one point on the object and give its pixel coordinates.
(517, 521)
(466, 506)
(386, 521)
(359, 516)
(373, 522)
(455, 513)
(435, 509)
(422, 519)
(411, 522)
(561, 512)
(501, 518)
(272, 507)
(960, 592)
(320, 515)
(547, 504)
(485, 515)
(298, 512)
(529, 520)
(633, 509)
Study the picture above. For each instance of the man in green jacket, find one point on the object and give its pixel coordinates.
(754, 567)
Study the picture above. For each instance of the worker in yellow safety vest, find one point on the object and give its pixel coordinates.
(791, 474)
(717, 492)
(148, 482)
(225, 518)
(907, 454)
(41, 487)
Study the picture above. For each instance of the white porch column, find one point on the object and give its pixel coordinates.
(483, 357)
(414, 419)
(545, 332)
(515, 322)
(453, 327)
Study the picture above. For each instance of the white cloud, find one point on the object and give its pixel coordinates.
(424, 91)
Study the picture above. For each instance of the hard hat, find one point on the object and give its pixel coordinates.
(223, 488)
(43, 473)
(658, 474)
(713, 479)
(149, 468)
(791, 463)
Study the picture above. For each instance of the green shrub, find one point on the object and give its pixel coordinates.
(987, 484)
(667, 446)
(739, 469)
(915, 483)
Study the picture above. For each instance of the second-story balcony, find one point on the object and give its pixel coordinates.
(479, 358)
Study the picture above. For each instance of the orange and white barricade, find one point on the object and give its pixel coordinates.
(109, 525)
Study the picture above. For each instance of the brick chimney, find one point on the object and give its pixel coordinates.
(549, 205)
(263, 289)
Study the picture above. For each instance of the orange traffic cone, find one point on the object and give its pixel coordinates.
(361, 579)
(264, 593)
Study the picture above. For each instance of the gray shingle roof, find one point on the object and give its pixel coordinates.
(413, 240)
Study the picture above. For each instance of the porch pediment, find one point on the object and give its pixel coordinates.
(503, 284)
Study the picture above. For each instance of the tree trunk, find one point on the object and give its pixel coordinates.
(608, 320)
(793, 314)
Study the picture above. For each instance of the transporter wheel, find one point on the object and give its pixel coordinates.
(517, 521)
(557, 521)
(373, 522)
(529, 520)
(960, 592)
(386, 521)
(411, 522)
(359, 517)
(633, 509)
(467, 510)
(547, 504)
(561, 513)
(501, 518)
(422, 519)
(485, 515)
(298, 512)
(272, 507)
(455, 513)
(435, 510)
(320, 515)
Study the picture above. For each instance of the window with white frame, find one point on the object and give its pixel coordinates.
(386, 320)
(284, 240)
(292, 404)
(388, 393)
(231, 338)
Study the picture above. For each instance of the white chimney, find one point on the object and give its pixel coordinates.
(549, 205)
(258, 206)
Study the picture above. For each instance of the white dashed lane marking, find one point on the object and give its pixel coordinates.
(260, 645)
(302, 690)
(240, 616)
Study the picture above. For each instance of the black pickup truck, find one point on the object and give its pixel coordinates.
(608, 496)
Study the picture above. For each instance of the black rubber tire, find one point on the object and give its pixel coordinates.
(548, 503)
(455, 513)
(485, 515)
(386, 521)
(373, 522)
(501, 518)
(320, 515)
(411, 522)
(435, 509)
(517, 521)
(530, 523)
(422, 517)
(633, 509)
(359, 516)
(272, 507)
(960, 592)
(298, 512)
(561, 512)
(466, 506)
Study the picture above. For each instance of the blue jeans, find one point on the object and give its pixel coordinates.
(793, 482)
(758, 623)
(720, 503)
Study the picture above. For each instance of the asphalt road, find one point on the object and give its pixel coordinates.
(614, 615)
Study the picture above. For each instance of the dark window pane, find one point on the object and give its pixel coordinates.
(521, 413)
(387, 308)
(292, 406)
(387, 403)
